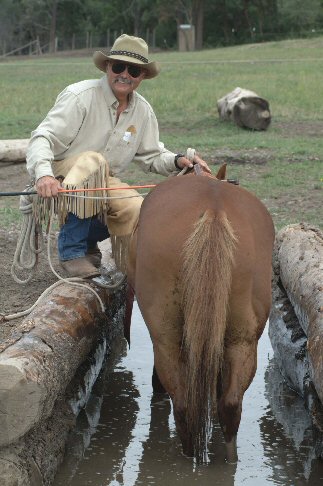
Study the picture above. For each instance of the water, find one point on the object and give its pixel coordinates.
(125, 437)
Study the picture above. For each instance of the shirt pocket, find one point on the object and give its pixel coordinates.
(127, 140)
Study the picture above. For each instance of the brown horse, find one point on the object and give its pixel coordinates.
(202, 279)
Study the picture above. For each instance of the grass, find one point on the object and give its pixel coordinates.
(184, 96)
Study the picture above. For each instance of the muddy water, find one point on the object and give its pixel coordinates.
(125, 437)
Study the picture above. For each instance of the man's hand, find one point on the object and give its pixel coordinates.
(184, 162)
(47, 186)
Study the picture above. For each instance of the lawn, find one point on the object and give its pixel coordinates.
(282, 165)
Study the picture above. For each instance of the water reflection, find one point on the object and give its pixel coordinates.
(292, 442)
(127, 437)
(162, 462)
(97, 448)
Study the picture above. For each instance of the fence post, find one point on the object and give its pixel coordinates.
(108, 38)
(56, 44)
(87, 40)
(73, 42)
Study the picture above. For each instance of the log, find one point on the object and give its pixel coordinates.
(35, 370)
(245, 108)
(34, 459)
(289, 345)
(13, 150)
(298, 257)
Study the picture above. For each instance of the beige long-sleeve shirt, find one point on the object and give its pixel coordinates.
(84, 118)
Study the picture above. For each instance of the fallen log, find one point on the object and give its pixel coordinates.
(13, 150)
(35, 458)
(245, 108)
(298, 267)
(35, 370)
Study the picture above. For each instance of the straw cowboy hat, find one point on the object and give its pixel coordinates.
(129, 49)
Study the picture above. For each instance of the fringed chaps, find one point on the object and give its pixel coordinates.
(90, 170)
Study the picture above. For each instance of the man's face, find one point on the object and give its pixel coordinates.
(123, 83)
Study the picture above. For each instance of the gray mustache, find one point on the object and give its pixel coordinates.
(124, 80)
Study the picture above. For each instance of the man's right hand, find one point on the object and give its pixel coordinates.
(47, 186)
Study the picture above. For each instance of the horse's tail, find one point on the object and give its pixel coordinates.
(207, 268)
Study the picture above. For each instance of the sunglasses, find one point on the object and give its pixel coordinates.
(120, 67)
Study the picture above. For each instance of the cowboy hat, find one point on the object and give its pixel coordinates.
(129, 49)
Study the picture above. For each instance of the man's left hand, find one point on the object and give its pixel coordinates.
(184, 162)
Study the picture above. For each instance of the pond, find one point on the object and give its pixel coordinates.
(125, 436)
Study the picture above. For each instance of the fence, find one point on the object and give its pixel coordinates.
(86, 41)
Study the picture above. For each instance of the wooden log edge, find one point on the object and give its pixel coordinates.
(13, 150)
(298, 267)
(34, 371)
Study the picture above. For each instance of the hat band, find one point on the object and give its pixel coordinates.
(129, 54)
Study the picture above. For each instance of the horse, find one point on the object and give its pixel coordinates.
(200, 266)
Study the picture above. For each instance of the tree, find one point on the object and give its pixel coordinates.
(297, 15)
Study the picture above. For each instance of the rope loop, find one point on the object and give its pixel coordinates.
(30, 241)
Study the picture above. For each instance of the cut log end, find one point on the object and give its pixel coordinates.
(20, 403)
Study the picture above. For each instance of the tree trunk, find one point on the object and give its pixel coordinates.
(199, 23)
(60, 333)
(245, 108)
(13, 150)
(52, 31)
(298, 258)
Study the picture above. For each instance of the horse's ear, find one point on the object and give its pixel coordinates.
(222, 172)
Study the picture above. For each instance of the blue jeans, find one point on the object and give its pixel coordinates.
(77, 236)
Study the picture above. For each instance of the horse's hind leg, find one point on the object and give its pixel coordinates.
(165, 326)
(239, 367)
(156, 383)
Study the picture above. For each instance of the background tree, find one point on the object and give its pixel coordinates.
(217, 22)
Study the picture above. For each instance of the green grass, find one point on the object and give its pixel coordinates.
(289, 74)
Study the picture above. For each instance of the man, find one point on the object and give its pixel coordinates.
(94, 131)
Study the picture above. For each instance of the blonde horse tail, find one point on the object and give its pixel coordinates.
(207, 267)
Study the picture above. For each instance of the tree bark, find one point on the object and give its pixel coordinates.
(35, 370)
(13, 150)
(52, 30)
(245, 108)
(199, 23)
(298, 258)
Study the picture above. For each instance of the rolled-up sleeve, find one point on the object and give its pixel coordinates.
(151, 155)
(53, 136)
